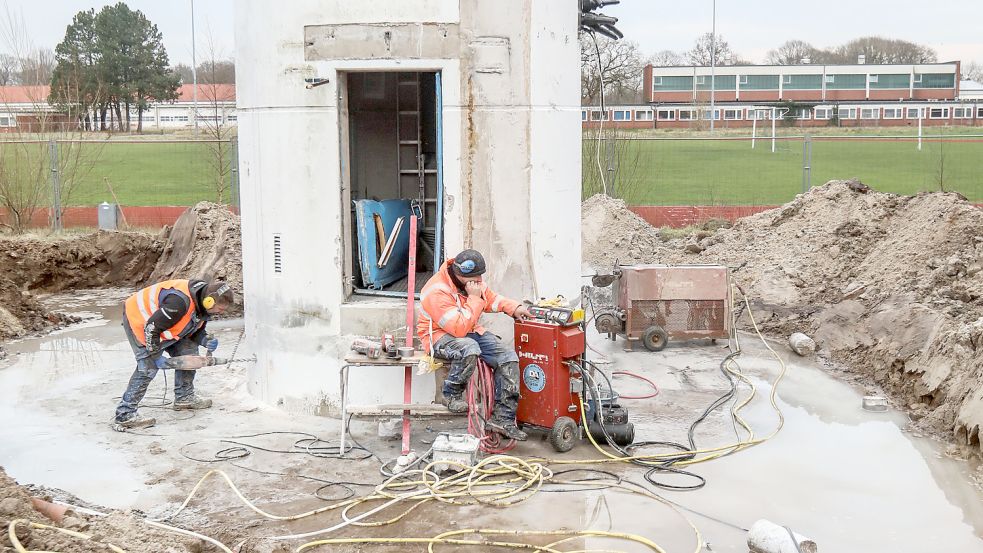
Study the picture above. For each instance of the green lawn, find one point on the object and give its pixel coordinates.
(148, 173)
(729, 172)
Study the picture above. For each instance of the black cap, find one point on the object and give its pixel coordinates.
(469, 263)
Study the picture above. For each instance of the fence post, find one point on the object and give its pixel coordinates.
(609, 146)
(234, 176)
(806, 163)
(56, 223)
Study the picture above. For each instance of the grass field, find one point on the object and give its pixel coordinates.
(730, 172)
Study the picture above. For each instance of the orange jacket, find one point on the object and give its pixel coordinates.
(141, 305)
(446, 310)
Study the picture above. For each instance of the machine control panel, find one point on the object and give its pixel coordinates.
(559, 315)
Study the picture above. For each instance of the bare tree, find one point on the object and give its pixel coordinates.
(219, 72)
(792, 52)
(219, 102)
(877, 49)
(973, 71)
(36, 67)
(620, 68)
(667, 58)
(27, 160)
(9, 70)
(705, 46)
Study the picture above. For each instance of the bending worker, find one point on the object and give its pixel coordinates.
(452, 301)
(168, 317)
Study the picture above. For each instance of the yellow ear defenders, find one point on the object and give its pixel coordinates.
(208, 302)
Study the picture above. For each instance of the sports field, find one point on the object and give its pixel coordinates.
(683, 171)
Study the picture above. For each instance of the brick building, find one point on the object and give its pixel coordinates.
(803, 95)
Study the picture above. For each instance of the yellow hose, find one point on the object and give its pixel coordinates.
(19, 547)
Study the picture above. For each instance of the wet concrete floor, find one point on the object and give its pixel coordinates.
(850, 479)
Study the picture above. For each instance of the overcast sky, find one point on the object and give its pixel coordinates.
(954, 28)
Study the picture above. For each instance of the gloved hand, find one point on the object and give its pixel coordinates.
(211, 343)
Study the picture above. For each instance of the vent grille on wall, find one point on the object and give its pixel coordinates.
(277, 255)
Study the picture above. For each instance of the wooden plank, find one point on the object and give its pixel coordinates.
(394, 409)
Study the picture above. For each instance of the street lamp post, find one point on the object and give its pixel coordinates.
(713, 63)
(194, 70)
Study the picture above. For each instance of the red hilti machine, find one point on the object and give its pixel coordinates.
(551, 349)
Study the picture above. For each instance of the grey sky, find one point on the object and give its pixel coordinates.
(751, 27)
(46, 21)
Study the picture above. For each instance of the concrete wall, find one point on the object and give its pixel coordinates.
(510, 159)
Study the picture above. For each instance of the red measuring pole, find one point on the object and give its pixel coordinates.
(410, 305)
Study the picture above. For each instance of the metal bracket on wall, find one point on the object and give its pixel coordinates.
(313, 82)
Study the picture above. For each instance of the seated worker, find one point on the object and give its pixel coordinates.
(452, 301)
(168, 317)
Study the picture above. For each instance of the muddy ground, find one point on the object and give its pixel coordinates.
(890, 286)
(203, 243)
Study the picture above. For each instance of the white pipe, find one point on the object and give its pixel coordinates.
(773, 112)
(767, 537)
(754, 127)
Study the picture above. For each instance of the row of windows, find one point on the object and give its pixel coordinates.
(803, 82)
(763, 114)
(207, 118)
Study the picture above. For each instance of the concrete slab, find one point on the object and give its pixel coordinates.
(849, 479)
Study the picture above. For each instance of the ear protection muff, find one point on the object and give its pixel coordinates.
(208, 302)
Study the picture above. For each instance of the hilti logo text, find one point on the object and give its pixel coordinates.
(535, 356)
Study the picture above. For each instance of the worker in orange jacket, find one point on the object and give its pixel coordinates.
(452, 301)
(168, 317)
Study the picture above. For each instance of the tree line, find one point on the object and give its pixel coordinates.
(110, 61)
(619, 63)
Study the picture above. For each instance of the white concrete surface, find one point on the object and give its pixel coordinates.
(511, 166)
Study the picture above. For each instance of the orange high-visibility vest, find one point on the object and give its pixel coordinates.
(446, 310)
(141, 305)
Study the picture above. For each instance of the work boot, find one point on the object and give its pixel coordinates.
(507, 429)
(454, 404)
(135, 421)
(192, 402)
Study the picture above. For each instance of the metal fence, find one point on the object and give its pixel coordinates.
(745, 171)
(61, 183)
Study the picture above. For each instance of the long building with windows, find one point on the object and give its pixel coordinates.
(801, 95)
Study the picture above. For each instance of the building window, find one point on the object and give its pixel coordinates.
(232, 118)
(962, 113)
(823, 114)
(829, 79)
(583, 115)
(643, 115)
(8, 120)
(732, 114)
(871, 78)
(701, 80)
(786, 79)
(802, 113)
(743, 79)
(666, 114)
(656, 81)
(979, 113)
(869, 113)
(846, 113)
(938, 113)
(686, 115)
(915, 113)
(596, 115)
(918, 79)
(622, 115)
(705, 115)
(892, 113)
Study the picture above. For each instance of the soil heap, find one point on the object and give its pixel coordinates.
(889, 285)
(119, 529)
(31, 264)
(204, 243)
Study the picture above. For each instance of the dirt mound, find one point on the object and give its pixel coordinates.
(119, 529)
(890, 285)
(204, 243)
(32, 264)
(612, 232)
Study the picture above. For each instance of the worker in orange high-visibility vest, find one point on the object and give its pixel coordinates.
(451, 303)
(168, 317)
